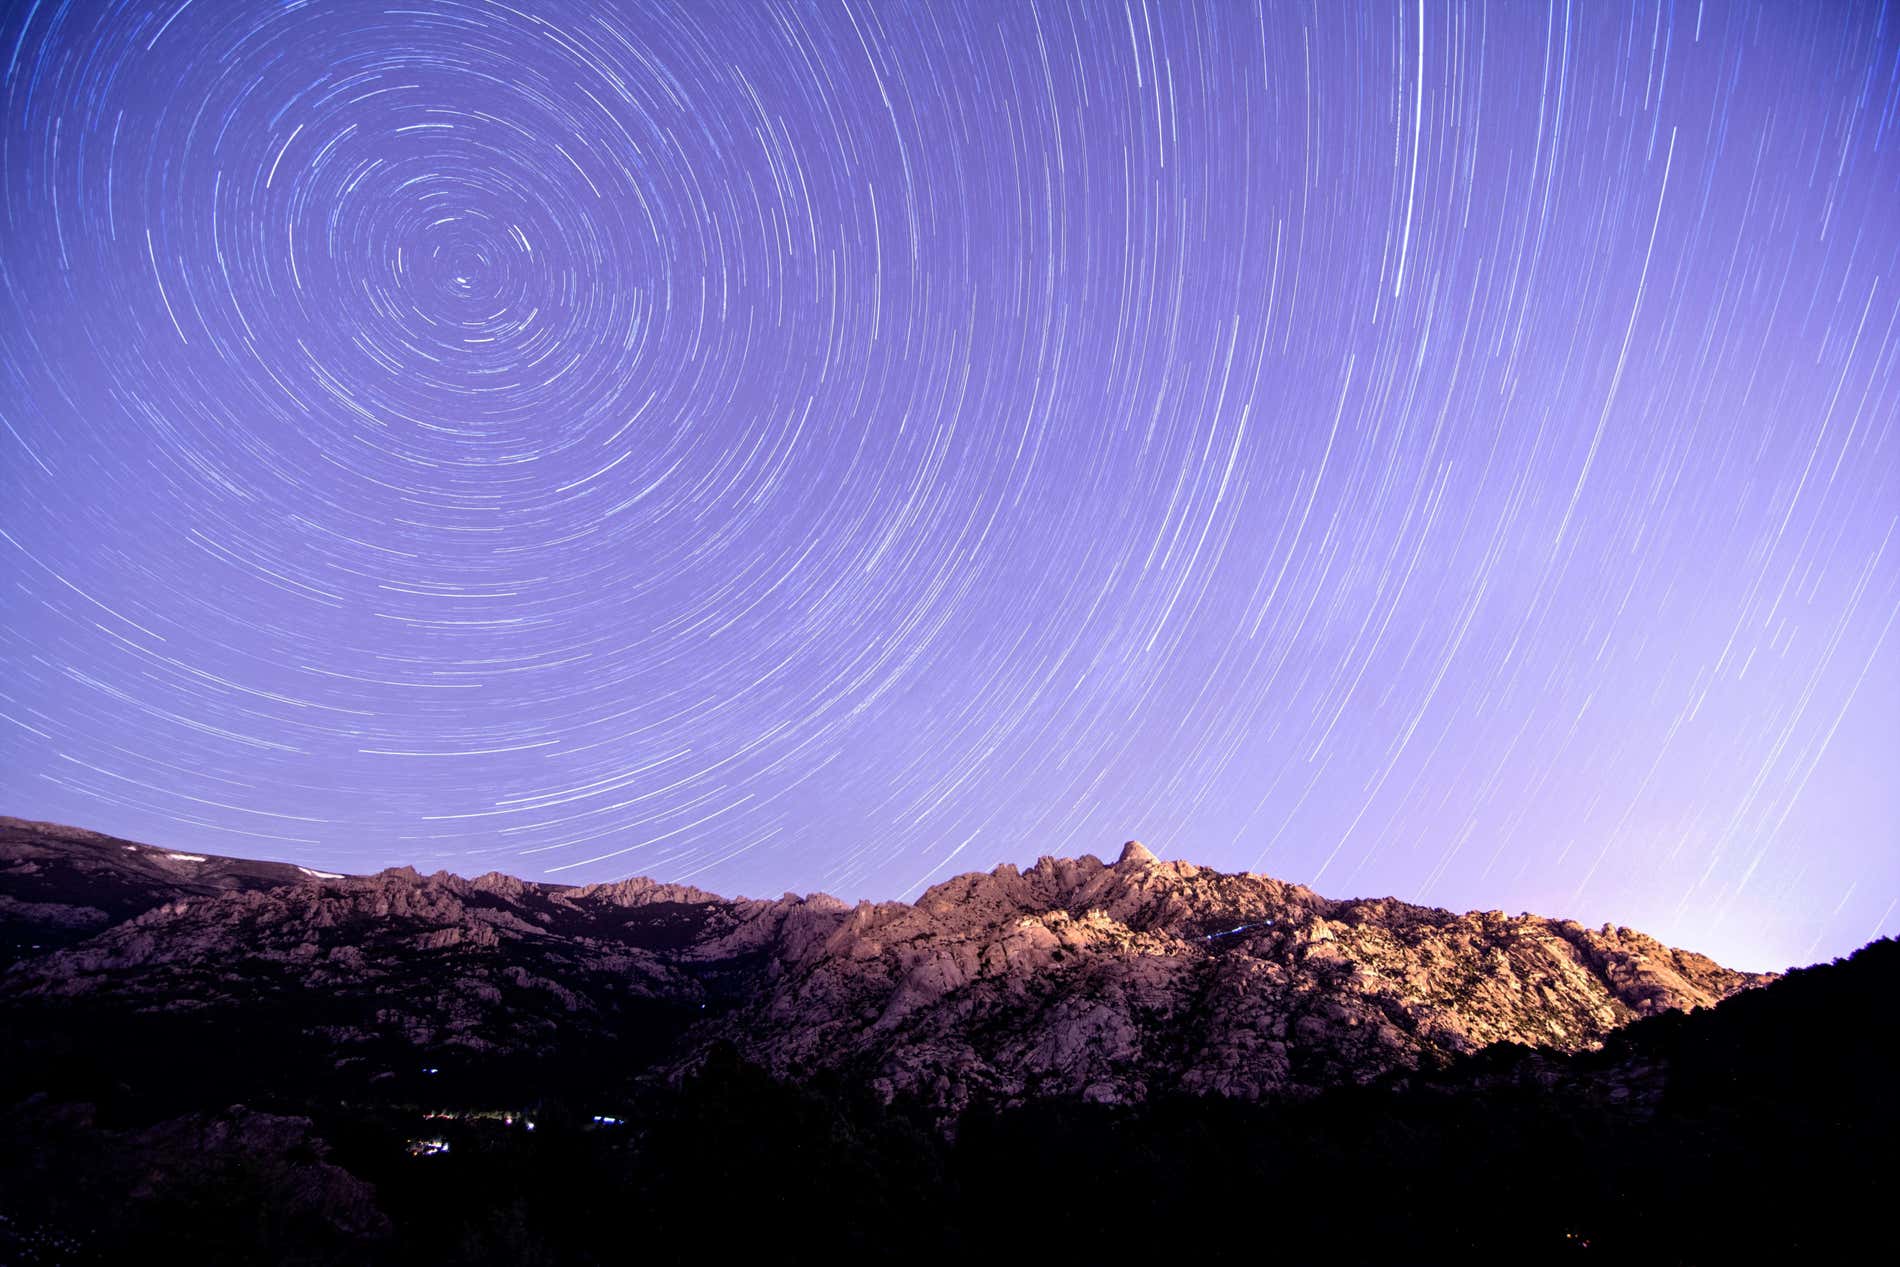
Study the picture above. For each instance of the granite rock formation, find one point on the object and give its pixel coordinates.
(1073, 978)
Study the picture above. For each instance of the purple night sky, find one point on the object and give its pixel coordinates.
(1445, 451)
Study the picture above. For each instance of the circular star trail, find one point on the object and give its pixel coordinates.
(1444, 450)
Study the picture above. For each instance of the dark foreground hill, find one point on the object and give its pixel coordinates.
(1080, 1057)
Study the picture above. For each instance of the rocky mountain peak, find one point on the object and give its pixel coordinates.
(1136, 854)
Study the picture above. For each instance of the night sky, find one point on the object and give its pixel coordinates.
(1444, 451)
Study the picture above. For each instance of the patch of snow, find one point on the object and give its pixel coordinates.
(322, 875)
(186, 857)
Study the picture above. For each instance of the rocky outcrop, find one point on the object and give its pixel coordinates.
(187, 1175)
(1072, 978)
(1111, 983)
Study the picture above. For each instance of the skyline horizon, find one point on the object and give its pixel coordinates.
(1107, 856)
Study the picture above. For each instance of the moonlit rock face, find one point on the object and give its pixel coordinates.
(1418, 450)
(1069, 978)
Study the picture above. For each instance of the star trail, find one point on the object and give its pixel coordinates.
(1441, 450)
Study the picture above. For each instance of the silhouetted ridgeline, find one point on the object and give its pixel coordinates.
(440, 1070)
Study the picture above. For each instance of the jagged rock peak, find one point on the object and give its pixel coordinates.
(1136, 854)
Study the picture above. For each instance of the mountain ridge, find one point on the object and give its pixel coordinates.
(1071, 977)
(400, 1068)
